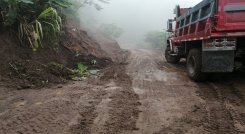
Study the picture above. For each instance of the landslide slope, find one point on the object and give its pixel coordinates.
(22, 68)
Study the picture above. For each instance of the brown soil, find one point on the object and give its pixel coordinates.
(77, 107)
(142, 95)
(109, 45)
(22, 68)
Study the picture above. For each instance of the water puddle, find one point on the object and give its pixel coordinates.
(157, 75)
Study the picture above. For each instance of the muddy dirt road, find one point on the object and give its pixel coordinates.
(144, 95)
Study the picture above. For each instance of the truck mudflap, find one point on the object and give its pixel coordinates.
(218, 61)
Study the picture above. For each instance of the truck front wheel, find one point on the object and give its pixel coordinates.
(194, 65)
(170, 58)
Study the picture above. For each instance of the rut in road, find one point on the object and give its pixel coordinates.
(141, 95)
(102, 104)
(171, 103)
(165, 94)
(123, 106)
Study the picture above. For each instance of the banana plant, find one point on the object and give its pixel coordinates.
(34, 19)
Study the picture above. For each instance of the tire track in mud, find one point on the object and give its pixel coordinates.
(86, 112)
(123, 107)
(222, 104)
(38, 119)
(221, 110)
(237, 119)
(73, 108)
(170, 105)
(67, 110)
(117, 102)
(237, 93)
(165, 95)
(221, 114)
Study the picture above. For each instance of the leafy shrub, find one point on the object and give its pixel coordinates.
(34, 19)
(80, 72)
(82, 69)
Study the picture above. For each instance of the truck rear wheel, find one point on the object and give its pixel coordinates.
(194, 65)
(170, 58)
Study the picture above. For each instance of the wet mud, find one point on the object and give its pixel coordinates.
(142, 95)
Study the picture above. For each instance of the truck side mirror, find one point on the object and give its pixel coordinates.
(170, 25)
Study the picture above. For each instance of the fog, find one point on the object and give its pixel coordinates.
(135, 17)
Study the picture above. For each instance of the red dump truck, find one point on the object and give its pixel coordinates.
(211, 36)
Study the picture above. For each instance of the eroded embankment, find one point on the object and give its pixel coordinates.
(103, 104)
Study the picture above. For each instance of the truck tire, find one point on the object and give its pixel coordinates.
(194, 65)
(170, 58)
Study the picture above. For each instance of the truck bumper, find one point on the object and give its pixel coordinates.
(218, 61)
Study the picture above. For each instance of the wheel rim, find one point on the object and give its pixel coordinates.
(191, 65)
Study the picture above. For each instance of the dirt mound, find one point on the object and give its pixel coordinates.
(109, 45)
(22, 68)
(80, 42)
(91, 106)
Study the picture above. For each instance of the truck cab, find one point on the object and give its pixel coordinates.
(211, 36)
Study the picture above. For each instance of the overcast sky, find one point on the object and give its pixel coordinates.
(137, 17)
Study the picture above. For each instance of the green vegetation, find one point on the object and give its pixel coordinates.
(38, 20)
(156, 39)
(111, 30)
(82, 69)
(38, 24)
(33, 19)
(80, 72)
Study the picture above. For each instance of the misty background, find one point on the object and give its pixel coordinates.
(135, 17)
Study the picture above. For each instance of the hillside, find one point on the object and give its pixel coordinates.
(20, 67)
